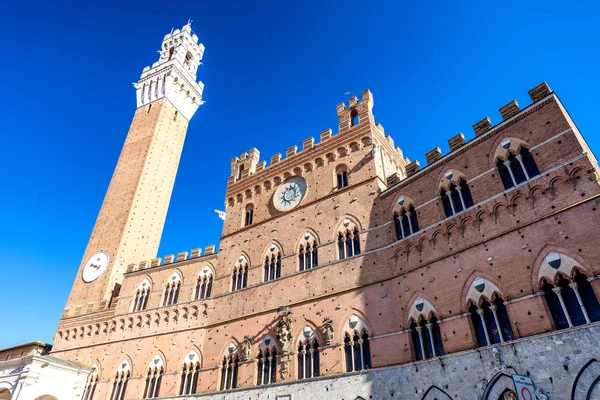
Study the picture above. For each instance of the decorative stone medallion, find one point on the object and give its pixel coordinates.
(289, 194)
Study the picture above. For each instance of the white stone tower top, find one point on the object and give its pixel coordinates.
(173, 76)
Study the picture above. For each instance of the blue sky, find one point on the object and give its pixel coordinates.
(273, 72)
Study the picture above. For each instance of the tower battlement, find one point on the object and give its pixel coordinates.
(481, 127)
(173, 76)
(356, 113)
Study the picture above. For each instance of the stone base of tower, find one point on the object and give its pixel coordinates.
(562, 365)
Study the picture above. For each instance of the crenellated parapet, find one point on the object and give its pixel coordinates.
(173, 76)
(481, 127)
(171, 259)
(357, 114)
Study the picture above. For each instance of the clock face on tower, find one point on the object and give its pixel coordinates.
(95, 266)
(289, 194)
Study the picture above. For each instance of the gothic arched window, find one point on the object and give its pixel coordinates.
(308, 253)
(189, 374)
(491, 322)
(456, 198)
(204, 284)
(120, 383)
(90, 385)
(267, 366)
(572, 302)
(427, 339)
(517, 168)
(357, 351)
(153, 381)
(171, 294)
(229, 371)
(273, 265)
(348, 243)
(309, 364)
(406, 222)
(141, 296)
(239, 279)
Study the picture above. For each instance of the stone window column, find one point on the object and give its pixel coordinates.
(155, 388)
(558, 291)
(512, 176)
(269, 360)
(351, 344)
(494, 309)
(420, 332)
(449, 196)
(460, 196)
(575, 287)
(520, 158)
(121, 385)
(194, 372)
(185, 381)
(234, 279)
(145, 294)
(311, 358)
(263, 360)
(430, 330)
(226, 374)
(304, 361)
(400, 218)
(410, 227)
(231, 365)
(485, 329)
(362, 354)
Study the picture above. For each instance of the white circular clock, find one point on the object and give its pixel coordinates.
(95, 266)
(289, 194)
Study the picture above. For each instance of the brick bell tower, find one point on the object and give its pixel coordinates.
(131, 220)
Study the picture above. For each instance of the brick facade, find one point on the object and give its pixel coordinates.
(498, 247)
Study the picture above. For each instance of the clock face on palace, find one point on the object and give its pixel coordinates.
(95, 266)
(289, 194)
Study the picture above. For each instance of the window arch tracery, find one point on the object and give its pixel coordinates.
(568, 293)
(239, 278)
(229, 368)
(515, 163)
(189, 374)
(172, 287)
(517, 168)
(308, 354)
(204, 284)
(154, 374)
(308, 257)
(406, 221)
(456, 194)
(141, 296)
(357, 348)
(425, 330)
(267, 361)
(122, 375)
(348, 240)
(272, 266)
(490, 321)
(90, 385)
